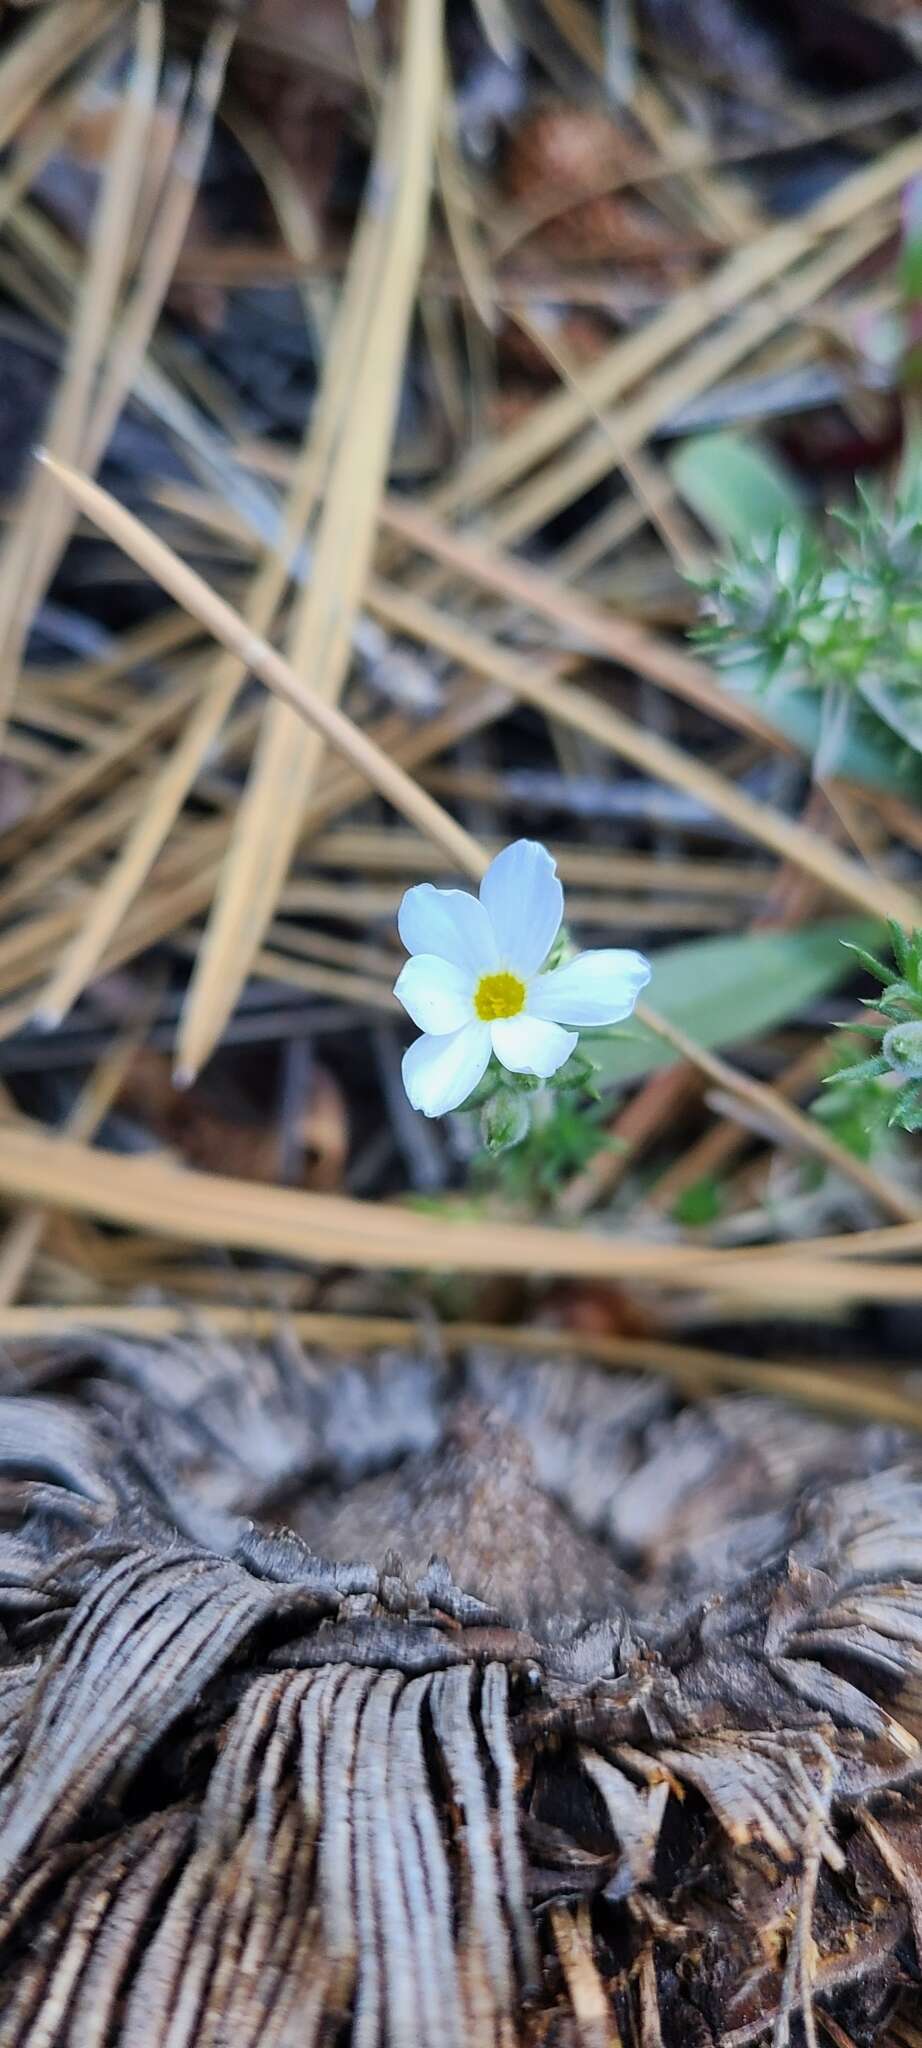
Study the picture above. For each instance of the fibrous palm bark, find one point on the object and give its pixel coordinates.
(391, 1705)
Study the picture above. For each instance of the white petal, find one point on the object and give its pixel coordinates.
(450, 923)
(525, 901)
(595, 988)
(438, 996)
(440, 1073)
(526, 1045)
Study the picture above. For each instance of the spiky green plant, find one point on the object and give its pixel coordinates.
(900, 1035)
(843, 621)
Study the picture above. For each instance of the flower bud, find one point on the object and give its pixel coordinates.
(902, 1048)
(504, 1121)
(577, 1072)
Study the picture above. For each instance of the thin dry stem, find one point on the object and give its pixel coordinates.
(873, 1393)
(354, 430)
(33, 542)
(197, 1208)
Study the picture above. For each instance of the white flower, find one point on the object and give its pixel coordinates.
(474, 983)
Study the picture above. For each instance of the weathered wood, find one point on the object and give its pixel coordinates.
(593, 1773)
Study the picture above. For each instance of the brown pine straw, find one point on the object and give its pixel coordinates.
(44, 51)
(226, 625)
(422, 809)
(873, 1392)
(199, 1208)
(32, 540)
(585, 622)
(372, 850)
(562, 482)
(534, 682)
(171, 783)
(795, 843)
(620, 735)
(351, 438)
(23, 1235)
(121, 216)
(632, 358)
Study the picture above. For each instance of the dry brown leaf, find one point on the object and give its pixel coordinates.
(250, 1147)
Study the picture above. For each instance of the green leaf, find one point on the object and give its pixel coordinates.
(727, 991)
(870, 962)
(908, 1112)
(504, 1121)
(898, 1000)
(736, 488)
(699, 1205)
(865, 757)
(901, 943)
(863, 1070)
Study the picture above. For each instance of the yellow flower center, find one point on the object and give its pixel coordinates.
(499, 995)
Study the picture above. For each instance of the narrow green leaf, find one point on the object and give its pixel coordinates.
(908, 1112)
(901, 944)
(735, 487)
(863, 1070)
(727, 991)
(865, 758)
(870, 962)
